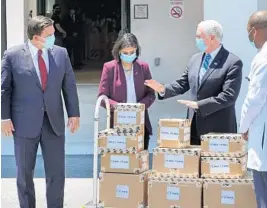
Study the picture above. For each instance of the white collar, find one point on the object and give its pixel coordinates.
(35, 50)
(214, 53)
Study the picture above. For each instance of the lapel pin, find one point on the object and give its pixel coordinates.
(215, 64)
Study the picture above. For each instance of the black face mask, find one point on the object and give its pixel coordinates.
(57, 11)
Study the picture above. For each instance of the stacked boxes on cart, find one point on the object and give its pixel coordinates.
(224, 173)
(174, 181)
(124, 162)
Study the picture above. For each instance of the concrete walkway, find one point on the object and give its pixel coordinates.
(78, 193)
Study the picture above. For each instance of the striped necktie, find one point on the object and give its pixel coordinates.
(205, 66)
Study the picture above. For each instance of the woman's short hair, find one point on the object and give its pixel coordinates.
(125, 41)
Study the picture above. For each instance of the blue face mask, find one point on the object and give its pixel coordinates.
(128, 58)
(252, 41)
(201, 44)
(49, 41)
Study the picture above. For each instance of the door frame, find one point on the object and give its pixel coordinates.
(126, 15)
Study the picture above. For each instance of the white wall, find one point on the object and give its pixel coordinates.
(17, 18)
(233, 15)
(15, 22)
(262, 5)
(173, 41)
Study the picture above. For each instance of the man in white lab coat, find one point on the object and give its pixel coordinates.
(253, 124)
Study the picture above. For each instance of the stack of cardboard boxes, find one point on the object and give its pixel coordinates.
(223, 169)
(124, 163)
(174, 181)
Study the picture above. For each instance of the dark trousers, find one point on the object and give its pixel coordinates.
(260, 183)
(73, 47)
(146, 139)
(195, 137)
(53, 151)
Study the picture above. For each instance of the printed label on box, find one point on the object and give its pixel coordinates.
(122, 191)
(219, 145)
(118, 142)
(228, 197)
(169, 133)
(127, 117)
(173, 193)
(219, 166)
(187, 134)
(119, 162)
(174, 161)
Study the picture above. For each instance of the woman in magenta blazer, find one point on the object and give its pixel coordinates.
(123, 78)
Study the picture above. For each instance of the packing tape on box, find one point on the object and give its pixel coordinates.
(142, 176)
(230, 181)
(130, 150)
(219, 154)
(128, 129)
(175, 175)
(118, 132)
(221, 176)
(230, 159)
(123, 151)
(179, 122)
(227, 182)
(233, 137)
(172, 178)
(129, 106)
(185, 151)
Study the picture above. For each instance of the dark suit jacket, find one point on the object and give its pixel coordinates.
(216, 95)
(69, 26)
(22, 98)
(113, 85)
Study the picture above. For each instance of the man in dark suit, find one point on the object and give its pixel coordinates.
(213, 77)
(33, 76)
(70, 24)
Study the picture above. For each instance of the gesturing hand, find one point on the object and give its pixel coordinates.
(156, 86)
(188, 103)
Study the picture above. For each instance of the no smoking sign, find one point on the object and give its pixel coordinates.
(176, 12)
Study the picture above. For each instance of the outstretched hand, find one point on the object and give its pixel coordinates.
(156, 86)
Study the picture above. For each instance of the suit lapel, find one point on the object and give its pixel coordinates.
(136, 73)
(28, 59)
(52, 65)
(214, 65)
(198, 64)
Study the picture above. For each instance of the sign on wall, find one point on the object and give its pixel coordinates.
(141, 11)
(176, 9)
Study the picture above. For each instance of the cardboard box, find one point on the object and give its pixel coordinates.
(223, 167)
(129, 115)
(185, 162)
(233, 193)
(174, 133)
(123, 190)
(118, 161)
(112, 139)
(224, 145)
(174, 192)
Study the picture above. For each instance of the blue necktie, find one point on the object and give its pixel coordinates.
(205, 66)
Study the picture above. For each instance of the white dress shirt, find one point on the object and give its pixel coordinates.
(131, 94)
